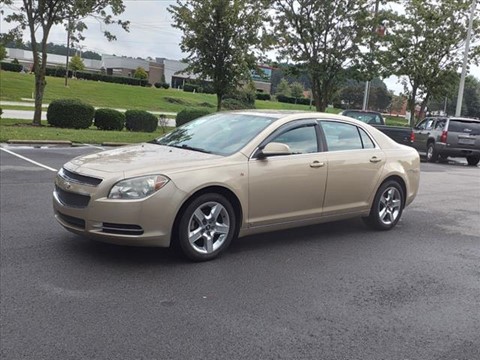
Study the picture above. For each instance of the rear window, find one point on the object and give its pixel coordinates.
(366, 117)
(464, 126)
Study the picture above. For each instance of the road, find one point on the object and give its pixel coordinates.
(333, 291)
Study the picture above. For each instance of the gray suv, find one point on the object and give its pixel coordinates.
(441, 137)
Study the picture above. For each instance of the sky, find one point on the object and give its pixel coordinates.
(150, 35)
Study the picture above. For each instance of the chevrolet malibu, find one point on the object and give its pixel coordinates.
(233, 174)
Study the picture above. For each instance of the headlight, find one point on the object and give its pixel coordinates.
(137, 188)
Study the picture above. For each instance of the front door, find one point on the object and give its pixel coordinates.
(288, 187)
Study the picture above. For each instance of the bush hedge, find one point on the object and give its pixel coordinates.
(60, 72)
(10, 66)
(234, 104)
(263, 96)
(164, 85)
(70, 113)
(187, 115)
(292, 100)
(109, 119)
(140, 120)
(191, 87)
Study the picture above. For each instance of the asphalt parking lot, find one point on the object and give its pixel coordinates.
(333, 291)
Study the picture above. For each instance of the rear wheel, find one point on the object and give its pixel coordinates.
(473, 160)
(387, 206)
(207, 227)
(432, 155)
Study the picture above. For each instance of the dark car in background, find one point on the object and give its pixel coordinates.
(440, 137)
(402, 135)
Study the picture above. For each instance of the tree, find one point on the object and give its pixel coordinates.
(140, 73)
(426, 42)
(323, 36)
(283, 88)
(38, 16)
(296, 90)
(76, 64)
(3, 52)
(220, 37)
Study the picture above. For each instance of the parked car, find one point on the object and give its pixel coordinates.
(233, 174)
(441, 137)
(402, 135)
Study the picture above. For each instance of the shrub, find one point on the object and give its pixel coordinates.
(263, 96)
(70, 113)
(234, 104)
(140, 73)
(10, 66)
(109, 119)
(164, 85)
(190, 87)
(187, 115)
(292, 100)
(140, 120)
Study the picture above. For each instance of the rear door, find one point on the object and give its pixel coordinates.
(355, 165)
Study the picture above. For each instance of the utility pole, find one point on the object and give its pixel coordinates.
(461, 87)
(68, 51)
(366, 93)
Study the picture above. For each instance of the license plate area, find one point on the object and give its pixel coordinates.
(466, 141)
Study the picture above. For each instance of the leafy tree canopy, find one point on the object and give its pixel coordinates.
(221, 38)
(38, 16)
(323, 36)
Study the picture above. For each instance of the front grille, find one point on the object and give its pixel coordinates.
(79, 223)
(122, 229)
(80, 179)
(72, 199)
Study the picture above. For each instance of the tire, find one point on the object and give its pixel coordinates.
(473, 160)
(432, 155)
(387, 206)
(206, 227)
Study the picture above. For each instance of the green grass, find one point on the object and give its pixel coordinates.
(396, 121)
(14, 129)
(15, 86)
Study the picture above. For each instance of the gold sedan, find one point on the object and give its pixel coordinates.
(233, 174)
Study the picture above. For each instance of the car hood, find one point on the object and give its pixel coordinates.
(134, 158)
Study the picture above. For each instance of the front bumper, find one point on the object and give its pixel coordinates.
(144, 222)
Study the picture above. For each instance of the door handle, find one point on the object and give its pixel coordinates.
(317, 164)
(375, 160)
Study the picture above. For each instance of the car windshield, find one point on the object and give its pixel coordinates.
(221, 134)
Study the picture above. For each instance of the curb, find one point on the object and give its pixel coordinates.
(40, 142)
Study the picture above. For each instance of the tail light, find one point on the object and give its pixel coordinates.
(412, 137)
(443, 137)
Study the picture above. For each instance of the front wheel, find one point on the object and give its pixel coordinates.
(432, 155)
(473, 160)
(207, 226)
(387, 206)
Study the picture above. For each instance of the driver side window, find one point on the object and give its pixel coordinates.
(301, 140)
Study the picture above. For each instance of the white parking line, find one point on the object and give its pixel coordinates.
(29, 160)
(94, 146)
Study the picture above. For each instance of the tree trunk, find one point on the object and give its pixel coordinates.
(219, 101)
(412, 106)
(40, 70)
(423, 106)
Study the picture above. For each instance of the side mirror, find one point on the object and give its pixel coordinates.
(274, 149)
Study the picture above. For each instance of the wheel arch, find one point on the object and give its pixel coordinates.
(227, 193)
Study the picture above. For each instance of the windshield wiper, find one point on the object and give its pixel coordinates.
(188, 147)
